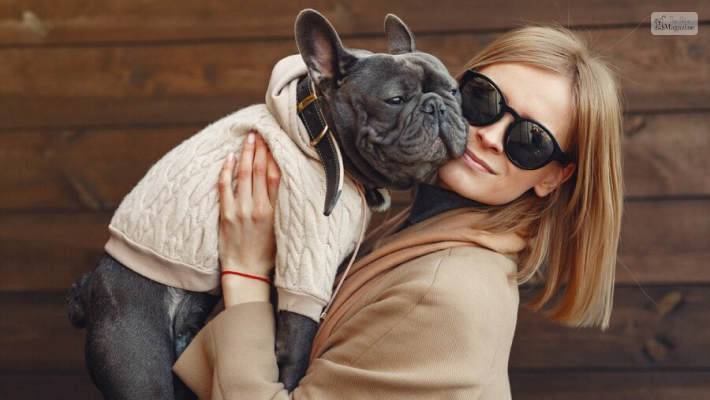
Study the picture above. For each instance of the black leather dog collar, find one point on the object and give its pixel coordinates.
(322, 139)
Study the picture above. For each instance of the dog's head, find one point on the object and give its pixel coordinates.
(397, 116)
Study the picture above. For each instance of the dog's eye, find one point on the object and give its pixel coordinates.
(454, 91)
(395, 100)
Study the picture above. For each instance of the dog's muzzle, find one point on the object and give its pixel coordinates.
(435, 134)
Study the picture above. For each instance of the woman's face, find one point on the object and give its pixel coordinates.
(484, 173)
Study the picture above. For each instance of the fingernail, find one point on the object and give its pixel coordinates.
(251, 138)
(230, 157)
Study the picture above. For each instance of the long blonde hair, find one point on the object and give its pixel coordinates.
(574, 231)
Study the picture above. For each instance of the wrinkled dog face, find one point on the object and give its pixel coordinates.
(410, 121)
(397, 115)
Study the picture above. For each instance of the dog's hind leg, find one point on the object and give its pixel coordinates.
(129, 348)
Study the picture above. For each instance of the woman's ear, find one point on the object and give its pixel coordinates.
(554, 179)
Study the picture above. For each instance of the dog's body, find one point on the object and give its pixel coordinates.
(395, 117)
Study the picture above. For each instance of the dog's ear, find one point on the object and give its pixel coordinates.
(321, 49)
(399, 38)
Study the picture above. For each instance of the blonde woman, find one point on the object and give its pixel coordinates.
(429, 309)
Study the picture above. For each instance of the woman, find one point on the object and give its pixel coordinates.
(430, 310)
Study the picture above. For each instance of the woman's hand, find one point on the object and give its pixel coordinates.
(247, 243)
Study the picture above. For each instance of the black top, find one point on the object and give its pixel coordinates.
(431, 200)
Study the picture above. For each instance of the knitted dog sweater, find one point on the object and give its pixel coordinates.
(166, 228)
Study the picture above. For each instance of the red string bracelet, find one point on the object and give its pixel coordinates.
(258, 278)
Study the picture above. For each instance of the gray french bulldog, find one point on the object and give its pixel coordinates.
(396, 118)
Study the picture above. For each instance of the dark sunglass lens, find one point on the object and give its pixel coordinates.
(481, 102)
(528, 145)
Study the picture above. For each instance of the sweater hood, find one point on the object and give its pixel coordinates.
(281, 100)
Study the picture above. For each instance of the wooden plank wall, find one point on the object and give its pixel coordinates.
(93, 92)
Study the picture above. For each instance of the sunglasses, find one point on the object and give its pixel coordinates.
(527, 143)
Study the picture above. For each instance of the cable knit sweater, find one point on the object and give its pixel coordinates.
(166, 227)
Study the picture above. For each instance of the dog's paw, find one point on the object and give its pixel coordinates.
(379, 200)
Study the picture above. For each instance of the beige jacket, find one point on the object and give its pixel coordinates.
(429, 313)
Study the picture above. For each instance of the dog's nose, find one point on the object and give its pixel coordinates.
(435, 107)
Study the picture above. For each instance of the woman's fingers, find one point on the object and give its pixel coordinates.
(259, 173)
(273, 177)
(226, 196)
(258, 178)
(244, 181)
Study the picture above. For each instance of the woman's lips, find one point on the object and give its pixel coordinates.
(476, 163)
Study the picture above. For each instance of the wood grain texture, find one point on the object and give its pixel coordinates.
(665, 241)
(62, 386)
(199, 83)
(37, 336)
(49, 252)
(610, 385)
(77, 169)
(134, 85)
(41, 22)
(667, 155)
(660, 331)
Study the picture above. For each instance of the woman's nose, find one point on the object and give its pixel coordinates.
(491, 136)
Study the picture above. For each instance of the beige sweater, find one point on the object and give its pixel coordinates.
(166, 227)
(430, 313)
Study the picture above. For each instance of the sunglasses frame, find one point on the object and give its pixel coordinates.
(557, 153)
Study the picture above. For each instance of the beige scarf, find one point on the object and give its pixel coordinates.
(385, 248)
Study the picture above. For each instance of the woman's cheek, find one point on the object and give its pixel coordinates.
(456, 176)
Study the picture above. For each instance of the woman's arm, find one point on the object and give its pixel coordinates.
(247, 244)
(218, 369)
